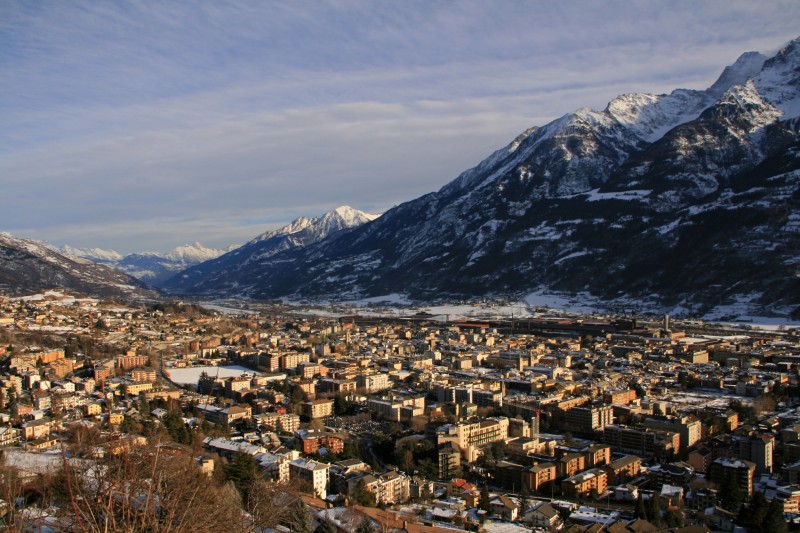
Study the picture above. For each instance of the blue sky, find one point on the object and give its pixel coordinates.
(145, 125)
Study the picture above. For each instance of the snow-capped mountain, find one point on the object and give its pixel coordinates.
(98, 255)
(687, 200)
(151, 267)
(298, 234)
(28, 266)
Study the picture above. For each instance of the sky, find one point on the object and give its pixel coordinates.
(145, 125)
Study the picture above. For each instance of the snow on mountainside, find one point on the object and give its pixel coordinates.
(689, 200)
(28, 266)
(97, 255)
(151, 267)
(191, 254)
(342, 217)
(299, 233)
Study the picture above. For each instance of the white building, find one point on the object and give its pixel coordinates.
(314, 472)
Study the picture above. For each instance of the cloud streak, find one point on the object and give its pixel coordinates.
(169, 123)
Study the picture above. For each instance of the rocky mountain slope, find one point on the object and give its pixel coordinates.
(28, 266)
(688, 201)
(296, 235)
(151, 267)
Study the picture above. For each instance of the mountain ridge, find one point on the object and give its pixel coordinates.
(593, 201)
(27, 266)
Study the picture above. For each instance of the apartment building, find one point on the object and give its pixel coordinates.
(539, 476)
(318, 408)
(316, 473)
(472, 435)
(585, 484)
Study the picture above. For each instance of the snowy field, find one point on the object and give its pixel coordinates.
(226, 309)
(535, 305)
(189, 376)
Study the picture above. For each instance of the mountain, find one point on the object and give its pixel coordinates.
(298, 234)
(686, 201)
(98, 255)
(151, 267)
(28, 266)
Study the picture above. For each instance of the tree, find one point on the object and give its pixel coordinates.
(242, 471)
(730, 494)
(483, 505)
(326, 525)
(142, 489)
(299, 520)
(362, 496)
(641, 510)
(673, 518)
(653, 510)
(341, 405)
(298, 396)
(365, 526)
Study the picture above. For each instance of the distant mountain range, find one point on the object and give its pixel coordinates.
(151, 267)
(27, 266)
(297, 235)
(687, 200)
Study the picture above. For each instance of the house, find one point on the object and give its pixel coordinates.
(8, 436)
(543, 515)
(36, 429)
(504, 507)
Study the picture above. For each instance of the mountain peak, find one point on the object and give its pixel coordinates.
(747, 66)
(342, 217)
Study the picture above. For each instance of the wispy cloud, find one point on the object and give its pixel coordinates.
(219, 120)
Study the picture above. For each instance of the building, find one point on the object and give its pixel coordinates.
(286, 422)
(127, 362)
(472, 435)
(318, 408)
(316, 473)
(623, 397)
(623, 470)
(570, 464)
(589, 419)
(539, 477)
(689, 428)
(389, 487)
(586, 484)
(742, 472)
(398, 407)
(36, 429)
(644, 442)
(373, 382)
(449, 455)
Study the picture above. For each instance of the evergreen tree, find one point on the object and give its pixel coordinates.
(242, 470)
(730, 494)
(673, 518)
(326, 525)
(484, 503)
(365, 526)
(653, 510)
(773, 519)
(641, 511)
(300, 519)
(752, 515)
(362, 496)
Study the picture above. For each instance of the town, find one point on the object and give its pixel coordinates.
(268, 419)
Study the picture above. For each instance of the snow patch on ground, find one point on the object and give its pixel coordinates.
(190, 376)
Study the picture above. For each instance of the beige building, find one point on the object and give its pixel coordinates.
(470, 436)
(585, 484)
(318, 408)
(398, 407)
